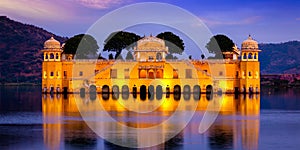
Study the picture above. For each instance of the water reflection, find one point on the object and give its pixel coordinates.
(23, 125)
(237, 125)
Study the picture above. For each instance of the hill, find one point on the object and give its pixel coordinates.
(281, 58)
(20, 45)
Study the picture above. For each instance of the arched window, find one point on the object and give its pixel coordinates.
(51, 56)
(158, 57)
(159, 73)
(245, 56)
(255, 56)
(46, 56)
(250, 56)
(143, 73)
(151, 74)
(250, 74)
(56, 57)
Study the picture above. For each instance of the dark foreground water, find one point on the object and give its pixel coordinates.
(30, 120)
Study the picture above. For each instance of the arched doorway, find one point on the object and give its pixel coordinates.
(134, 91)
(143, 92)
(115, 92)
(209, 89)
(125, 92)
(186, 92)
(105, 92)
(82, 92)
(159, 92)
(177, 92)
(167, 91)
(93, 92)
(151, 92)
(196, 92)
(93, 89)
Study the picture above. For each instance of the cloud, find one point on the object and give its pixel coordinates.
(37, 9)
(101, 4)
(220, 22)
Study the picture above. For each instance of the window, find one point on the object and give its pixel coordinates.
(113, 73)
(80, 73)
(221, 73)
(65, 73)
(51, 74)
(175, 73)
(255, 57)
(46, 56)
(188, 73)
(56, 56)
(158, 57)
(51, 56)
(250, 74)
(237, 74)
(250, 56)
(245, 56)
(126, 73)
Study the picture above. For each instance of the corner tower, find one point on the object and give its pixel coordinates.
(250, 67)
(52, 66)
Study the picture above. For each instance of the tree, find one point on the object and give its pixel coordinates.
(81, 45)
(117, 41)
(110, 56)
(202, 56)
(129, 56)
(169, 56)
(120, 57)
(100, 57)
(218, 44)
(174, 42)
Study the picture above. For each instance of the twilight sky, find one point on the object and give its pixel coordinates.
(265, 20)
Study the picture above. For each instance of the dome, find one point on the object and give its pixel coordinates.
(52, 44)
(150, 42)
(249, 44)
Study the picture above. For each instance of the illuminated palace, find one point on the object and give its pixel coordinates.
(238, 72)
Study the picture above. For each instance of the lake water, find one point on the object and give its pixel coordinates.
(31, 120)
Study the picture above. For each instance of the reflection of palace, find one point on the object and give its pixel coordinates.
(236, 73)
(237, 125)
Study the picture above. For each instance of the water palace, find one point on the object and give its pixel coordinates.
(150, 72)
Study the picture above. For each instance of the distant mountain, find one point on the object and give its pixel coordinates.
(20, 51)
(280, 58)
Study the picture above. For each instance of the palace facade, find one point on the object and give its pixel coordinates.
(150, 71)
